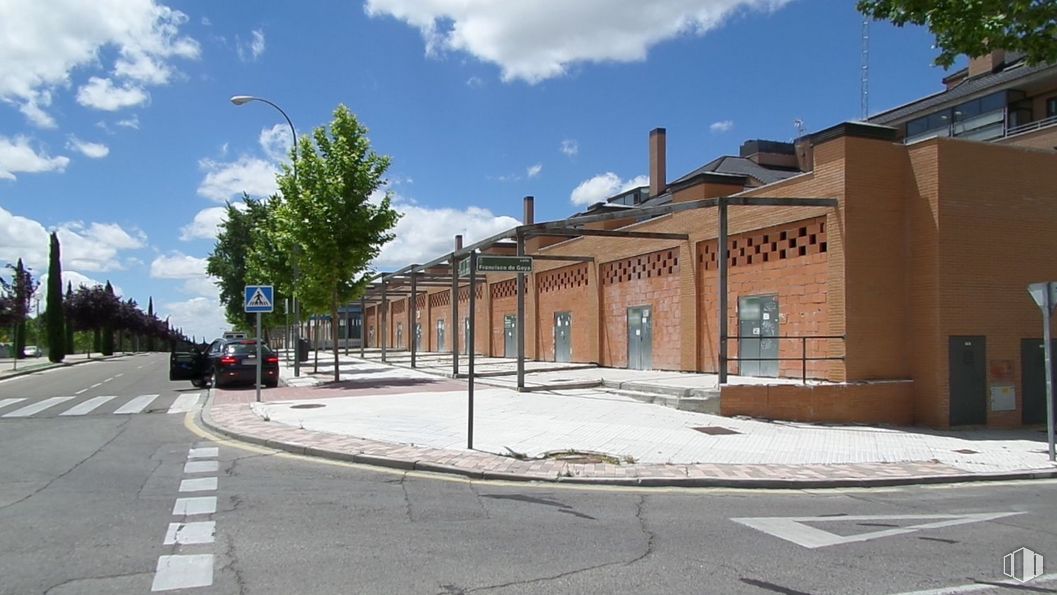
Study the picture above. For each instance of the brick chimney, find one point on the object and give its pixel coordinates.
(658, 162)
(987, 63)
(529, 216)
(458, 242)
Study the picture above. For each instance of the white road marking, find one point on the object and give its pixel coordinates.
(87, 406)
(37, 407)
(83, 390)
(184, 403)
(208, 452)
(183, 572)
(984, 586)
(200, 505)
(793, 528)
(109, 379)
(96, 385)
(190, 533)
(139, 367)
(202, 484)
(6, 402)
(201, 467)
(119, 375)
(136, 405)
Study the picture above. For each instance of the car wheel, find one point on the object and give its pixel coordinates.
(271, 383)
(197, 383)
(216, 381)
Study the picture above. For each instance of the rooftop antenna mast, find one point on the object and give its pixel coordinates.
(864, 68)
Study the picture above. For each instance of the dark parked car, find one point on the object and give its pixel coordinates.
(225, 362)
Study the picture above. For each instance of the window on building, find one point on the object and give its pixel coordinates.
(1051, 107)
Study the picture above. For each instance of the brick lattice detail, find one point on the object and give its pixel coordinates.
(440, 299)
(504, 289)
(464, 293)
(399, 307)
(663, 263)
(420, 301)
(563, 278)
(801, 238)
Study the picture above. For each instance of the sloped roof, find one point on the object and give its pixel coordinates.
(740, 166)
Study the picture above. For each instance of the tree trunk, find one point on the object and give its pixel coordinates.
(315, 340)
(334, 334)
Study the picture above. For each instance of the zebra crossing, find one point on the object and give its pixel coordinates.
(22, 407)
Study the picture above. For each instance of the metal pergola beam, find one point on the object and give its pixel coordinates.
(610, 233)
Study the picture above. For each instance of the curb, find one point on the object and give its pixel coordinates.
(643, 482)
(17, 373)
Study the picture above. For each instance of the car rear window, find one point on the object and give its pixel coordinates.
(246, 348)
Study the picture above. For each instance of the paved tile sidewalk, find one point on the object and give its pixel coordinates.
(423, 427)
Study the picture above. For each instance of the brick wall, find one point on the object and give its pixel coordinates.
(566, 289)
(504, 303)
(482, 339)
(439, 309)
(653, 280)
(885, 402)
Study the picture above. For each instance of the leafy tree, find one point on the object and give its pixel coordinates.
(976, 27)
(54, 314)
(67, 319)
(327, 211)
(22, 288)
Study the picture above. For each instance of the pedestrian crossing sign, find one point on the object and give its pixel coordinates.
(259, 298)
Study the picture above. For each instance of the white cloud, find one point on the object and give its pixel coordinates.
(50, 40)
(570, 147)
(93, 247)
(17, 156)
(206, 223)
(88, 149)
(100, 93)
(475, 82)
(252, 49)
(424, 233)
(534, 41)
(223, 181)
(177, 265)
(199, 316)
(276, 141)
(33, 111)
(74, 279)
(721, 126)
(204, 286)
(603, 186)
(132, 122)
(534, 170)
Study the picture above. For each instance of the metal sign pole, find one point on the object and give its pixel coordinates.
(470, 343)
(258, 357)
(1048, 356)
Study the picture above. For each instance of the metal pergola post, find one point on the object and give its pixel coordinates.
(455, 326)
(721, 257)
(470, 348)
(520, 318)
(363, 326)
(384, 318)
(412, 316)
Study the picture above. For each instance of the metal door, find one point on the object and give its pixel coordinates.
(1033, 379)
(440, 335)
(640, 338)
(563, 343)
(758, 319)
(465, 335)
(968, 381)
(399, 335)
(418, 336)
(510, 335)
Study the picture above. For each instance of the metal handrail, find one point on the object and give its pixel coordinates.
(803, 351)
(1037, 124)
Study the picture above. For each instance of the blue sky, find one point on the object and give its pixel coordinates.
(116, 130)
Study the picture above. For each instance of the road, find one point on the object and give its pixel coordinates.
(87, 503)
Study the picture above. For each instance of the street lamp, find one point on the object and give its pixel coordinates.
(243, 100)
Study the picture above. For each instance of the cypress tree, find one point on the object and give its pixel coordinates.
(69, 322)
(54, 315)
(22, 297)
(107, 346)
(150, 318)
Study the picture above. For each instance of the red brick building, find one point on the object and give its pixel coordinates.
(908, 297)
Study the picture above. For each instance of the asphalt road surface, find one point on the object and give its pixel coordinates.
(97, 501)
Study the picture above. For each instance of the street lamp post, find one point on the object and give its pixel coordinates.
(242, 100)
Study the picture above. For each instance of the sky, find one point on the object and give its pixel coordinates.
(116, 128)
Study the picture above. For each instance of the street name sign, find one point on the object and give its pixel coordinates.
(464, 267)
(504, 264)
(259, 298)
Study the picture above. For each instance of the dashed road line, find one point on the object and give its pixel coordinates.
(201, 467)
(119, 375)
(108, 379)
(203, 453)
(136, 405)
(83, 390)
(87, 406)
(201, 484)
(196, 532)
(37, 407)
(183, 572)
(96, 385)
(193, 506)
(184, 403)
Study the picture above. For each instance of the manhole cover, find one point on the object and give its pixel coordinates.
(308, 406)
(715, 430)
(967, 451)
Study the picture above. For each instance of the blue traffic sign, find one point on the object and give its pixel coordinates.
(259, 298)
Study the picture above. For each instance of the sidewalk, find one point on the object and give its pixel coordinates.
(408, 419)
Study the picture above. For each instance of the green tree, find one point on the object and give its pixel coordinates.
(68, 320)
(150, 323)
(976, 27)
(54, 315)
(106, 345)
(22, 288)
(328, 212)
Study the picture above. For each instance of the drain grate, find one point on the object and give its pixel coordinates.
(716, 430)
(308, 406)
(967, 451)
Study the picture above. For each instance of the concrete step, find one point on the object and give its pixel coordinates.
(684, 399)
